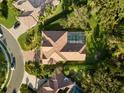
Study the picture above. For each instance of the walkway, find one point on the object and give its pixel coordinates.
(32, 81)
(30, 55)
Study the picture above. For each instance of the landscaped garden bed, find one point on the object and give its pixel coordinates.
(3, 68)
(41, 70)
(30, 39)
(5, 71)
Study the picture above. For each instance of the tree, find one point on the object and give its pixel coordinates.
(68, 4)
(104, 79)
(106, 13)
(4, 9)
(77, 19)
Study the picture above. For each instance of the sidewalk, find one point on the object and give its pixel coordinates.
(32, 81)
(31, 55)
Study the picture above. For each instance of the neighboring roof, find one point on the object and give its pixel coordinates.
(55, 2)
(60, 80)
(56, 82)
(36, 3)
(26, 5)
(45, 90)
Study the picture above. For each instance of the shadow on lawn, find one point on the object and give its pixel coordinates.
(47, 23)
(56, 17)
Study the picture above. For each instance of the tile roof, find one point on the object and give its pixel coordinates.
(54, 35)
(72, 47)
(59, 81)
(60, 49)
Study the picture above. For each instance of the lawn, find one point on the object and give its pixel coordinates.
(30, 39)
(12, 14)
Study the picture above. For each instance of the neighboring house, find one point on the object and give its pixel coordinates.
(53, 2)
(62, 46)
(29, 14)
(59, 84)
(26, 6)
(31, 10)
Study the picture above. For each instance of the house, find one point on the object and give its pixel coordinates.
(62, 46)
(53, 2)
(58, 84)
(31, 10)
(27, 8)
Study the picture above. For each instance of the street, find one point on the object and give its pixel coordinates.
(18, 73)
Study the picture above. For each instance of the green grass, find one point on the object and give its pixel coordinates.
(36, 39)
(21, 40)
(12, 14)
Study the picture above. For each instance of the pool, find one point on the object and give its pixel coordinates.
(76, 89)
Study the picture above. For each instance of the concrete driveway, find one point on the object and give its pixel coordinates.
(18, 31)
(18, 73)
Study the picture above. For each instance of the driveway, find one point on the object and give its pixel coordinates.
(18, 73)
(18, 31)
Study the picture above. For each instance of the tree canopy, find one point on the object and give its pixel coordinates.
(103, 23)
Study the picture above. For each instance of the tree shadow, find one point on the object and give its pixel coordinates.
(63, 14)
(37, 55)
(4, 9)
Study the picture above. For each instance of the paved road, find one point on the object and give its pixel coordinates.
(18, 73)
